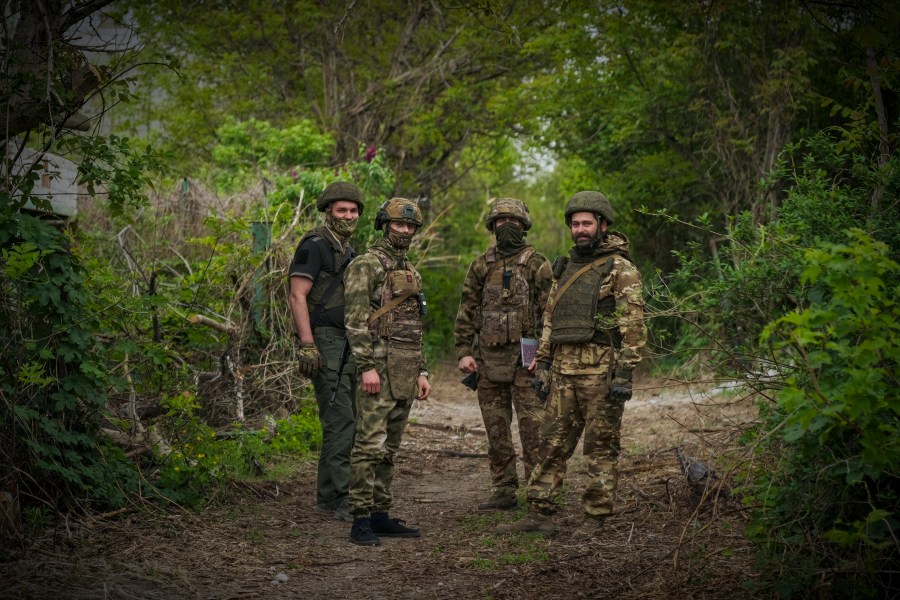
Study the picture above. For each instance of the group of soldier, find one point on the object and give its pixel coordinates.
(556, 342)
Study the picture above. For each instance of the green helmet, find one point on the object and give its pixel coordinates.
(339, 190)
(592, 202)
(398, 209)
(508, 207)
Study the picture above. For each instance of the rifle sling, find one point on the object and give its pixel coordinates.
(390, 306)
(576, 275)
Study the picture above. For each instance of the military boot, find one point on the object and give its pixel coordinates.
(342, 512)
(361, 533)
(326, 508)
(385, 526)
(534, 522)
(590, 529)
(499, 500)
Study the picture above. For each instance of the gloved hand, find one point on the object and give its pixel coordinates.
(541, 381)
(620, 388)
(310, 361)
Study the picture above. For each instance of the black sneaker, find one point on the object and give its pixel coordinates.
(387, 527)
(362, 535)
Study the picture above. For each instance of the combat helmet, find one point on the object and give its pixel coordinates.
(508, 207)
(593, 202)
(398, 209)
(339, 190)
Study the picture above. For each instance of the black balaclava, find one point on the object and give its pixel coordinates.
(510, 238)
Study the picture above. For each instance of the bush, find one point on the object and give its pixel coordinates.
(828, 510)
(200, 459)
(53, 380)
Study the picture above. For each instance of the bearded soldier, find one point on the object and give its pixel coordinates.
(384, 312)
(503, 300)
(591, 342)
(317, 307)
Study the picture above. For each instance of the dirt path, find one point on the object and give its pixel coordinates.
(265, 542)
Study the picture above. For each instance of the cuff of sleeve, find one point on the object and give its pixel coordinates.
(365, 364)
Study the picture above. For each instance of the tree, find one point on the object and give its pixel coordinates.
(415, 79)
(47, 75)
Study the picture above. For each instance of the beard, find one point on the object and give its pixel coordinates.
(585, 242)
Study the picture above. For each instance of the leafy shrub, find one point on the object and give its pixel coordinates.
(200, 459)
(828, 510)
(53, 380)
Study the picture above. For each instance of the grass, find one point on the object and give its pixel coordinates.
(519, 549)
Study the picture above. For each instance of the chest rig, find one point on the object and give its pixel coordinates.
(400, 290)
(506, 313)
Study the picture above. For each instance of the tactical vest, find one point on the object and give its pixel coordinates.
(573, 314)
(403, 323)
(317, 300)
(506, 312)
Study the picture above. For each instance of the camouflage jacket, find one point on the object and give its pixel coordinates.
(537, 276)
(623, 283)
(363, 288)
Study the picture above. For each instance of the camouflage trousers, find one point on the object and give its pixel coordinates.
(337, 420)
(578, 403)
(380, 422)
(496, 401)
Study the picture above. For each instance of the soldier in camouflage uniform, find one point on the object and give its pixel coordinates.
(591, 342)
(317, 306)
(503, 300)
(384, 307)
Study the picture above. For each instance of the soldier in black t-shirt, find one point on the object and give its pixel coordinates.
(317, 307)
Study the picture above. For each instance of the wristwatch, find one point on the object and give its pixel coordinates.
(423, 373)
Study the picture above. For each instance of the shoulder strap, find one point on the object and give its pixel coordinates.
(389, 306)
(526, 255)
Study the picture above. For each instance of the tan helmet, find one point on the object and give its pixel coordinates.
(398, 209)
(339, 190)
(508, 207)
(592, 202)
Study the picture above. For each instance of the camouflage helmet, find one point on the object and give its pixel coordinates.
(508, 207)
(339, 190)
(592, 202)
(398, 209)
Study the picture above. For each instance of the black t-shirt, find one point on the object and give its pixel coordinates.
(313, 256)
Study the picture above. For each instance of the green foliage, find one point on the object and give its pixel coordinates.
(111, 165)
(52, 378)
(248, 150)
(201, 460)
(831, 504)
(299, 434)
(416, 82)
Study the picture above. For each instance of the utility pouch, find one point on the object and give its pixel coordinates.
(403, 364)
(499, 363)
(402, 282)
(500, 327)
